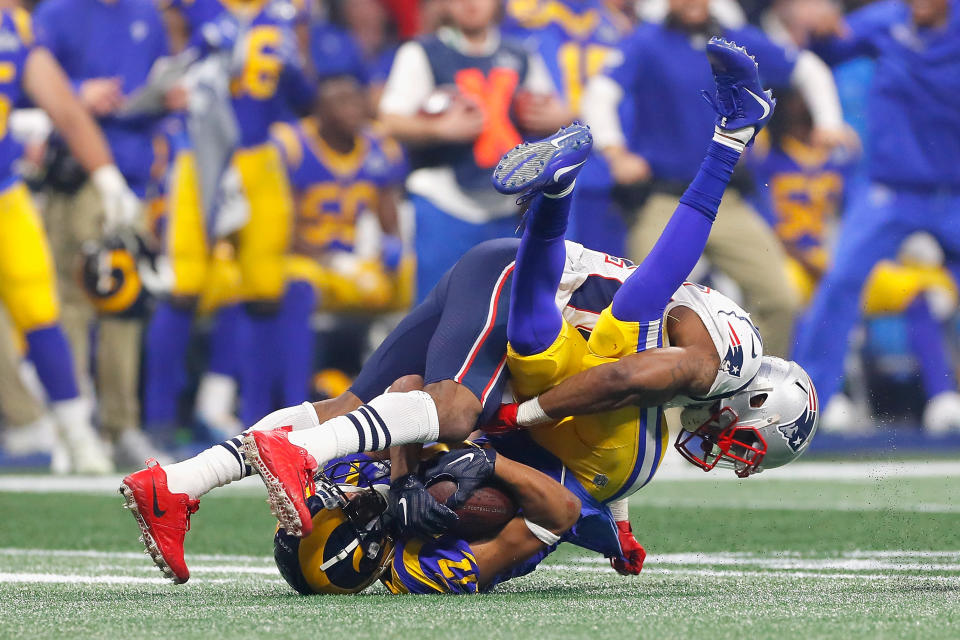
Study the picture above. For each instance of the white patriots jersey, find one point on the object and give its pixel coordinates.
(591, 278)
(735, 336)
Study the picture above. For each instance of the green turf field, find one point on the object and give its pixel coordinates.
(864, 553)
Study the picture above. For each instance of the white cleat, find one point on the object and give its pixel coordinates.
(133, 447)
(841, 415)
(942, 413)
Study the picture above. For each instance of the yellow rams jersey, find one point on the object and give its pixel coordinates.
(616, 453)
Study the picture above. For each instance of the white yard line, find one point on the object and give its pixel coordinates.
(751, 503)
(127, 555)
(673, 468)
(851, 564)
(97, 484)
(712, 573)
(65, 578)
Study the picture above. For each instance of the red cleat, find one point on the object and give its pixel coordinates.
(164, 518)
(287, 471)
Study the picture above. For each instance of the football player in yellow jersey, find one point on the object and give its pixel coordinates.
(799, 189)
(27, 282)
(342, 174)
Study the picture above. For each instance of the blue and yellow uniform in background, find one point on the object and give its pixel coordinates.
(799, 189)
(577, 40)
(27, 279)
(332, 191)
(268, 88)
(215, 279)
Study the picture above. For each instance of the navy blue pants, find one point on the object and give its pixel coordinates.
(459, 332)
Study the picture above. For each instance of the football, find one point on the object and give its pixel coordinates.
(484, 513)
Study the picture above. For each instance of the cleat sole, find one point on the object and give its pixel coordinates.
(150, 546)
(523, 165)
(281, 506)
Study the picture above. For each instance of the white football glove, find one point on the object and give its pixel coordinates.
(121, 207)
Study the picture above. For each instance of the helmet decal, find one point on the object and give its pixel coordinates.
(733, 361)
(797, 432)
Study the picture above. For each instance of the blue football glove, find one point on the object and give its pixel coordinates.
(391, 251)
(469, 468)
(413, 512)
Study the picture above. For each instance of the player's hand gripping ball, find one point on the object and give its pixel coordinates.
(414, 512)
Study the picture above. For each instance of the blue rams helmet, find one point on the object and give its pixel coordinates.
(767, 424)
(349, 548)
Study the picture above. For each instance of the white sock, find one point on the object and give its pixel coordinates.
(220, 465)
(389, 420)
(215, 467)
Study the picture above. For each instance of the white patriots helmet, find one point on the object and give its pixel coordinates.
(767, 424)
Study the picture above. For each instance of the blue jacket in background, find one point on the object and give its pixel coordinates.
(662, 74)
(913, 117)
(94, 39)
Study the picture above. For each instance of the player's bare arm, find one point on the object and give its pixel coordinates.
(47, 85)
(646, 379)
(543, 503)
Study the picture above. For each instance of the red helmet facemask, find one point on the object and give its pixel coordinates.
(722, 441)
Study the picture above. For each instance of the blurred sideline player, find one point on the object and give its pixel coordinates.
(107, 51)
(269, 87)
(219, 299)
(658, 143)
(27, 278)
(913, 164)
(799, 189)
(452, 98)
(340, 171)
(577, 40)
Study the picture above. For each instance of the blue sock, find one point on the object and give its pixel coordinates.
(224, 342)
(50, 353)
(926, 339)
(535, 322)
(298, 341)
(645, 294)
(165, 366)
(259, 356)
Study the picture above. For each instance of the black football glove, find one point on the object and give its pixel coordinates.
(414, 512)
(469, 468)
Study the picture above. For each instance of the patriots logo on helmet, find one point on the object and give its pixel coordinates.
(797, 432)
(733, 361)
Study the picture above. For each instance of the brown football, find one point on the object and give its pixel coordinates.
(485, 512)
